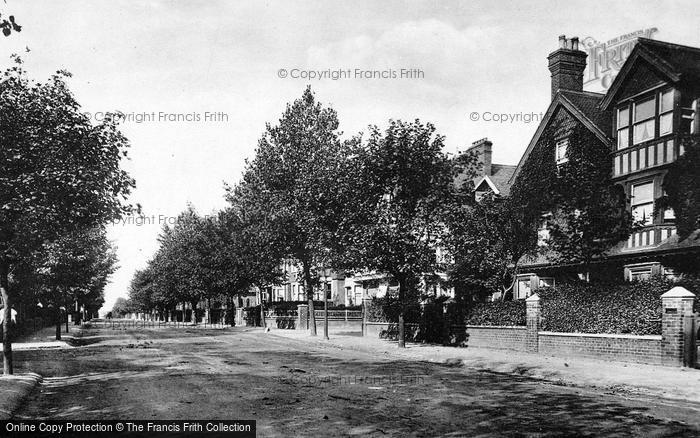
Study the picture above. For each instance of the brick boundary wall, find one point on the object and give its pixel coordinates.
(676, 346)
(498, 337)
(622, 348)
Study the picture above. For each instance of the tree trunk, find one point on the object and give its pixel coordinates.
(58, 323)
(310, 295)
(402, 330)
(262, 308)
(325, 313)
(7, 317)
(67, 313)
(194, 312)
(209, 310)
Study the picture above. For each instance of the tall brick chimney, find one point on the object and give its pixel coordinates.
(483, 149)
(567, 64)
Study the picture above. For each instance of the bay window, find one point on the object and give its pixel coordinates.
(643, 116)
(689, 110)
(644, 121)
(666, 113)
(643, 202)
(623, 121)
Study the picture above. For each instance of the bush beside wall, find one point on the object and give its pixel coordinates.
(498, 313)
(630, 308)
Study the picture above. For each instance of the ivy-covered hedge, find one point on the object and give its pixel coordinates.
(630, 308)
(505, 313)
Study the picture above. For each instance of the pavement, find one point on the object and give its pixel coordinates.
(682, 384)
(15, 388)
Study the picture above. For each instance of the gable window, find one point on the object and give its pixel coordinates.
(562, 147)
(643, 202)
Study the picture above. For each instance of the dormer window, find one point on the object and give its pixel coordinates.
(562, 148)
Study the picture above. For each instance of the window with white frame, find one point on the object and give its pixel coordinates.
(623, 123)
(666, 112)
(562, 148)
(644, 127)
(689, 111)
(644, 116)
(640, 272)
(643, 202)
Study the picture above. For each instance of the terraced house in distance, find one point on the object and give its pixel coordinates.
(642, 125)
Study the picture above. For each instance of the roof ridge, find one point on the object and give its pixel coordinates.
(589, 93)
(667, 44)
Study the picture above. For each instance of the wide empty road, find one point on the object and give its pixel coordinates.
(294, 389)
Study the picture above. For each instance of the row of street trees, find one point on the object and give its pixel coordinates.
(60, 184)
(377, 204)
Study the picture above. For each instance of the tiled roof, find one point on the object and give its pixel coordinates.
(588, 103)
(684, 60)
(500, 177)
(677, 62)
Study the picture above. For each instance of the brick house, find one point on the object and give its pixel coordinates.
(641, 121)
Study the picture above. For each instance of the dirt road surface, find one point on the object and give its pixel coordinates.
(294, 389)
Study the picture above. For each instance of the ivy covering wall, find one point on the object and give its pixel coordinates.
(589, 213)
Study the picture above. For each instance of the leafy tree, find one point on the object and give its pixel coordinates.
(74, 269)
(142, 293)
(407, 188)
(58, 173)
(121, 307)
(292, 182)
(249, 252)
(186, 259)
(682, 188)
(486, 241)
(8, 25)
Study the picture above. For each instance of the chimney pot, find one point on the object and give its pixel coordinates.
(562, 41)
(574, 43)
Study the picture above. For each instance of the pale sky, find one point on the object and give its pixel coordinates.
(193, 57)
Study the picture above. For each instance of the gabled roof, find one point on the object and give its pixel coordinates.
(500, 176)
(674, 61)
(584, 107)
